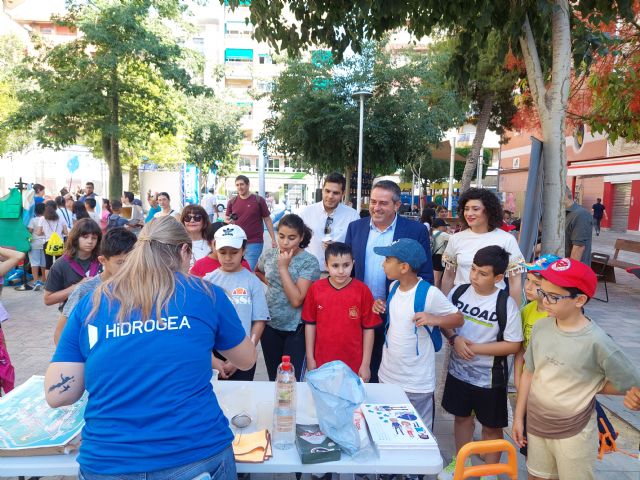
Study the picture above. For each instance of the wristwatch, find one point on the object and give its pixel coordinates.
(452, 339)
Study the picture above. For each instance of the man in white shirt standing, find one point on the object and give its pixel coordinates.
(208, 202)
(329, 218)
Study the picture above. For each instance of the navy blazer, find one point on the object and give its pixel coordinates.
(358, 235)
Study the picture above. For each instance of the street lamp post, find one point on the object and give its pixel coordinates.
(452, 160)
(361, 95)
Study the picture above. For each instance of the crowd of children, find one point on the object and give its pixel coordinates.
(562, 358)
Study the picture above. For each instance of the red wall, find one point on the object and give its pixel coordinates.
(607, 199)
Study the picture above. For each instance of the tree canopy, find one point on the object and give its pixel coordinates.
(316, 119)
(116, 81)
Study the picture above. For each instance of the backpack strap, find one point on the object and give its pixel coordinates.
(501, 313)
(458, 292)
(419, 302)
(394, 287)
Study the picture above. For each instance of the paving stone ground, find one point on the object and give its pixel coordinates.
(30, 330)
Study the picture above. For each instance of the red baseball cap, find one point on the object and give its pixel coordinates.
(571, 273)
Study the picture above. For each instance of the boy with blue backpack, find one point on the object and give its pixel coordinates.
(477, 379)
(416, 312)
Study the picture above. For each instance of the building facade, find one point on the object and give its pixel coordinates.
(595, 169)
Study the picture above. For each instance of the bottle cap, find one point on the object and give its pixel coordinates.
(286, 359)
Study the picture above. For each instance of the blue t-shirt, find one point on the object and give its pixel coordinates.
(151, 405)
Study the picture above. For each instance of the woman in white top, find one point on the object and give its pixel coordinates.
(196, 220)
(49, 223)
(164, 200)
(480, 216)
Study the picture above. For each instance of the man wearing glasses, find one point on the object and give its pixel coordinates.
(329, 218)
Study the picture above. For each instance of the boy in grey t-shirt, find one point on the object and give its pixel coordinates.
(245, 291)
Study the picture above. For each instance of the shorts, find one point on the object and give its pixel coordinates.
(423, 403)
(36, 257)
(463, 399)
(436, 259)
(572, 457)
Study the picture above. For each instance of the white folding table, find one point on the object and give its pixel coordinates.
(256, 399)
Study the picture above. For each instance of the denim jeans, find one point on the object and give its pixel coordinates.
(221, 466)
(252, 253)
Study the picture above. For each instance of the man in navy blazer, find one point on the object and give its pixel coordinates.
(380, 229)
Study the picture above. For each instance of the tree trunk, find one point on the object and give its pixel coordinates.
(134, 180)
(115, 168)
(551, 103)
(347, 188)
(471, 164)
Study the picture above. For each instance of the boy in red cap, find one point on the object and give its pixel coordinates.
(569, 360)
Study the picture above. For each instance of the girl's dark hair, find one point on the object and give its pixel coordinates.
(490, 202)
(60, 201)
(210, 232)
(39, 208)
(164, 194)
(85, 226)
(193, 210)
(107, 204)
(296, 223)
(50, 210)
(427, 215)
(80, 211)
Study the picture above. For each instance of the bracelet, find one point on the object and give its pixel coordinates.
(452, 339)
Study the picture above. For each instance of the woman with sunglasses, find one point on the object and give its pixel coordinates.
(196, 221)
(141, 344)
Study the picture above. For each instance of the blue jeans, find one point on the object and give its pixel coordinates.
(221, 466)
(252, 253)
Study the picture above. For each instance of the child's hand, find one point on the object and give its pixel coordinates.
(379, 306)
(218, 365)
(284, 259)
(364, 373)
(632, 398)
(229, 369)
(462, 346)
(518, 433)
(424, 318)
(311, 364)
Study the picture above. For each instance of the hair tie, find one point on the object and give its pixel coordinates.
(144, 238)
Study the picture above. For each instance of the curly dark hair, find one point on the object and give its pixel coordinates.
(490, 202)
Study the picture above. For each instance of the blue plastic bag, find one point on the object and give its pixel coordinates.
(337, 392)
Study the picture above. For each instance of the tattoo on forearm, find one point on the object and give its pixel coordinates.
(64, 385)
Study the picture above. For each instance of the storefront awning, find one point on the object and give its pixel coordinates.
(605, 166)
(242, 54)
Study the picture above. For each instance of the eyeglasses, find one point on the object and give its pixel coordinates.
(551, 298)
(327, 225)
(193, 217)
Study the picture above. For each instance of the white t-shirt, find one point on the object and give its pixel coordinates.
(315, 217)
(208, 202)
(95, 216)
(463, 246)
(481, 326)
(200, 249)
(414, 372)
(50, 226)
(37, 241)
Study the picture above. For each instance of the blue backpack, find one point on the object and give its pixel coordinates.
(418, 306)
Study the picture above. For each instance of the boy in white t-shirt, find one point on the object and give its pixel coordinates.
(478, 374)
(408, 356)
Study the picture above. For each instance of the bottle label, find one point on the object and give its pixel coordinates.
(285, 394)
(284, 423)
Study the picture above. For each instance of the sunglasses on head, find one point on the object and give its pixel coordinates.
(327, 225)
(193, 217)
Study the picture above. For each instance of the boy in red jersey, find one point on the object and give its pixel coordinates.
(338, 316)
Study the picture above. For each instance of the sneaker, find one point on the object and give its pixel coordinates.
(447, 472)
(38, 285)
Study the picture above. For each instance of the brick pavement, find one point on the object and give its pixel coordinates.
(29, 337)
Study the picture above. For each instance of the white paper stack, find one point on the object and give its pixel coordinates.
(397, 427)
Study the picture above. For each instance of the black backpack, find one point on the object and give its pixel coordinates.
(500, 363)
(114, 220)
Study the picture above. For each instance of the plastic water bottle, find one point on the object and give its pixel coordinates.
(284, 406)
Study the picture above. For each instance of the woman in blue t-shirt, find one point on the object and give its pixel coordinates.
(141, 346)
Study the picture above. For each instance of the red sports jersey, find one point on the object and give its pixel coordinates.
(340, 316)
(207, 264)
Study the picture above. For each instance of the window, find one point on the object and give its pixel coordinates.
(198, 44)
(264, 86)
(273, 165)
(291, 165)
(244, 164)
(238, 30)
(265, 59)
